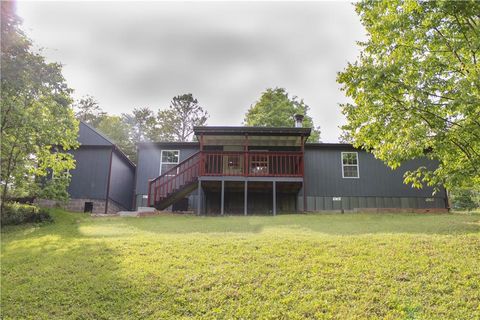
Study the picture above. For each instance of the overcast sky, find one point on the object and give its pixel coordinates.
(136, 54)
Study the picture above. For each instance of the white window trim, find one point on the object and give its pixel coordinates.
(351, 165)
(161, 160)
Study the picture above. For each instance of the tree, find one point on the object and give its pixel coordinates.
(416, 88)
(89, 111)
(118, 131)
(276, 109)
(37, 123)
(141, 123)
(176, 123)
(463, 199)
(116, 128)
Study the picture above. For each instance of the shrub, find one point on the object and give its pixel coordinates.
(16, 213)
(465, 199)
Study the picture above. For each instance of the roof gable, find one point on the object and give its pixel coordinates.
(88, 136)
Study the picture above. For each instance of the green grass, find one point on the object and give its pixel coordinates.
(322, 266)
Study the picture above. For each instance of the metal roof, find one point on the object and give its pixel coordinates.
(315, 145)
(329, 145)
(240, 130)
(168, 144)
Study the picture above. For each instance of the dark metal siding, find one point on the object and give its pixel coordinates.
(90, 176)
(315, 203)
(323, 176)
(148, 166)
(121, 182)
(378, 185)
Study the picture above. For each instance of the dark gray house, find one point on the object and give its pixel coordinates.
(248, 170)
(104, 177)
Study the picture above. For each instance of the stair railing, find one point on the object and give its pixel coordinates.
(173, 179)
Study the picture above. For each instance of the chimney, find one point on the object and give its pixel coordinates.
(298, 120)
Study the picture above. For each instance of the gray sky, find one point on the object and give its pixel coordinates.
(136, 54)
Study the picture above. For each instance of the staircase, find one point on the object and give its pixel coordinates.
(174, 184)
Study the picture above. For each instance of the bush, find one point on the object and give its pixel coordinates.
(465, 199)
(16, 213)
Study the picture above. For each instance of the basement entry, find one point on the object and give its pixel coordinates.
(88, 207)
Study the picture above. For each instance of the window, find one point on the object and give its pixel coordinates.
(258, 164)
(169, 159)
(350, 165)
(170, 156)
(233, 161)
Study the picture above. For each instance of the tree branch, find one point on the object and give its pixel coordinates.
(447, 43)
(466, 38)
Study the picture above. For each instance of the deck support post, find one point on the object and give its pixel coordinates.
(222, 204)
(274, 198)
(199, 197)
(245, 198)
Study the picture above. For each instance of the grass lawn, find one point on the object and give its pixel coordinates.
(319, 266)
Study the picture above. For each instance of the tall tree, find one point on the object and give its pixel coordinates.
(118, 131)
(89, 111)
(37, 122)
(142, 124)
(416, 88)
(176, 123)
(276, 109)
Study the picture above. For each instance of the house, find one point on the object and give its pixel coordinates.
(103, 178)
(248, 170)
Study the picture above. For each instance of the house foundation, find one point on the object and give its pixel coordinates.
(95, 206)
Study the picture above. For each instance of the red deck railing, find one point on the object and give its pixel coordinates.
(174, 179)
(213, 163)
(252, 164)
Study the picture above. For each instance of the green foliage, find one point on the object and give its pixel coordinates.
(37, 123)
(141, 127)
(276, 109)
(416, 88)
(118, 131)
(55, 187)
(176, 123)
(141, 124)
(173, 124)
(16, 213)
(329, 266)
(89, 111)
(465, 199)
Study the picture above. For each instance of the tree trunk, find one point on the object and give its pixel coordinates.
(7, 176)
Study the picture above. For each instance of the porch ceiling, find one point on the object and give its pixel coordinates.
(264, 140)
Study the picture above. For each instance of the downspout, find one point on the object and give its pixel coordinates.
(108, 181)
(134, 196)
(303, 176)
(246, 165)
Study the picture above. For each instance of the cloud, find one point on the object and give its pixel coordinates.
(130, 54)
